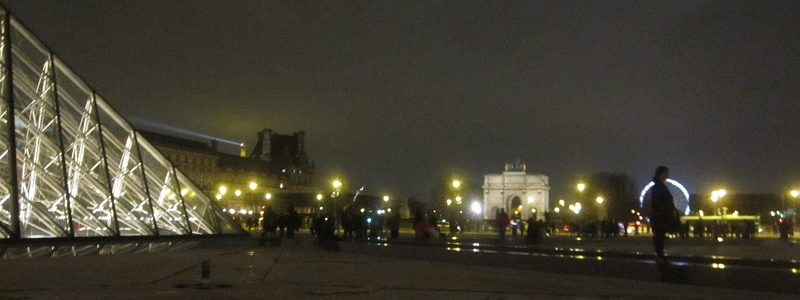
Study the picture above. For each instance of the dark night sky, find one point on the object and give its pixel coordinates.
(394, 94)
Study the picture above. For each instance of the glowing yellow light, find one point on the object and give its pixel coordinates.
(389, 209)
(252, 185)
(218, 196)
(795, 193)
(557, 210)
(718, 194)
(362, 210)
(385, 198)
(267, 196)
(449, 202)
(700, 212)
(223, 189)
(456, 183)
(336, 183)
(581, 187)
(562, 202)
(237, 193)
(599, 200)
(719, 239)
(319, 197)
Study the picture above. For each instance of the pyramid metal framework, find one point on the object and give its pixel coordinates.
(71, 166)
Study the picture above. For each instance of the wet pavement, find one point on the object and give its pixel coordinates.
(726, 272)
(240, 269)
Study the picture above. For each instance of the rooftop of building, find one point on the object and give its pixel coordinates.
(175, 142)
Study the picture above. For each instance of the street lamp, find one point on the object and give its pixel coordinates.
(385, 198)
(337, 184)
(223, 189)
(716, 195)
(581, 187)
(267, 196)
(562, 202)
(599, 201)
(237, 193)
(456, 183)
(253, 185)
(449, 202)
(319, 197)
(476, 209)
(794, 193)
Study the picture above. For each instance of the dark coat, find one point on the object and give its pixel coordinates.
(663, 216)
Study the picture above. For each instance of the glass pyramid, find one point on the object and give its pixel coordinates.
(71, 166)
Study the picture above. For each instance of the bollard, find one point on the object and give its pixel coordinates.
(205, 272)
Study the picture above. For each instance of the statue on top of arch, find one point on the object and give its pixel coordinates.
(517, 166)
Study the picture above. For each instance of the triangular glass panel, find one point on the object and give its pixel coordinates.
(71, 166)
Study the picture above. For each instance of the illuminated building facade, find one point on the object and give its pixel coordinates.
(516, 190)
(277, 172)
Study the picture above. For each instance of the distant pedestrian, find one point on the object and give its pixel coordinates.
(269, 224)
(663, 216)
(292, 222)
(502, 220)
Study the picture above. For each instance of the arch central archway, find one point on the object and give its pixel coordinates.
(513, 204)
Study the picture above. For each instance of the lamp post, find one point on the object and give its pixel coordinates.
(337, 185)
(581, 187)
(599, 200)
(456, 183)
(717, 195)
(476, 209)
(795, 194)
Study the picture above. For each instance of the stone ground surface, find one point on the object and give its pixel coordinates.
(240, 269)
(760, 248)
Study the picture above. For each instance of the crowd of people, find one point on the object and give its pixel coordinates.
(358, 224)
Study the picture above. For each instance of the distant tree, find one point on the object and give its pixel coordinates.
(618, 190)
(415, 205)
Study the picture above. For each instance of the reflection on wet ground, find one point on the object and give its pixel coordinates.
(714, 262)
(45, 251)
(738, 273)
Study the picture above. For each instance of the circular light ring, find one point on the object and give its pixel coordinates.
(670, 181)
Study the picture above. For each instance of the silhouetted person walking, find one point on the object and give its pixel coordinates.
(269, 223)
(502, 222)
(292, 222)
(663, 216)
